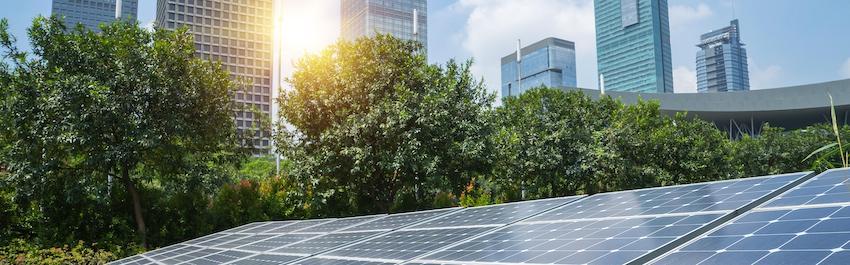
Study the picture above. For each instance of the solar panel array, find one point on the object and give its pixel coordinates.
(684, 224)
(808, 224)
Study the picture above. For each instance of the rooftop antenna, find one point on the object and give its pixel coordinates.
(415, 22)
(117, 9)
(601, 84)
(733, 10)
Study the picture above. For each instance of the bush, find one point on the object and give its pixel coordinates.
(19, 251)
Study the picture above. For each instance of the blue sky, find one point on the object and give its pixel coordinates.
(789, 42)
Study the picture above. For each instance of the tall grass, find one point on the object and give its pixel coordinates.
(826, 153)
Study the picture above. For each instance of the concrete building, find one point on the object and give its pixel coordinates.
(746, 112)
(365, 18)
(722, 61)
(633, 45)
(550, 62)
(239, 35)
(92, 13)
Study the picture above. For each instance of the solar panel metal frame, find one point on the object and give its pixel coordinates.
(805, 176)
(765, 207)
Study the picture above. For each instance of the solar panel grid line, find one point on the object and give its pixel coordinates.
(558, 201)
(381, 232)
(341, 224)
(723, 219)
(802, 223)
(436, 212)
(778, 242)
(345, 258)
(235, 248)
(689, 222)
(695, 197)
(567, 202)
(620, 217)
(835, 177)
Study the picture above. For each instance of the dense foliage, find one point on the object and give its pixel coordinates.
(377, 129)
(117, 142)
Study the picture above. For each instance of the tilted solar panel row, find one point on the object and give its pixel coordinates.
(625, 227)
(808, 224)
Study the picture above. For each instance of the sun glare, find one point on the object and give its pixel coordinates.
(306, 27)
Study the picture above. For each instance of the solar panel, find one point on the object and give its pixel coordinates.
(266, 259)
(499, 214)
(626, 227)
(808, 224)
(417, 240)
(339, 224)
(395, 221)
(325, 242)
(615, 228)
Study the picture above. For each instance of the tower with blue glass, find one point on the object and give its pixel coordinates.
(633, 45)
(91, 13)
(722, 61)
(550, 62)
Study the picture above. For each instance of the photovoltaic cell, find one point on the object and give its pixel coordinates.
(325, 242)
(798, 236)
(266, 259)
(275, 242)
(614, 228)
(267, 226)
(219, 258)
(296, 226)
(808, 224)
(404, 245)
(221, 240)
(395, 221)
(327, 261)
(337, 224)
(711, 196)
(605, 241)
(134, 260)
(496, 214)
(828, 187)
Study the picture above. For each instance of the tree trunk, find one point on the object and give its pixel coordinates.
(137, 204)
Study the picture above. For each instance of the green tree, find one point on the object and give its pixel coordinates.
(374, 124)
(126, 103)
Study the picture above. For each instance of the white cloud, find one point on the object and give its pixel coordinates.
(493, 26)
(763, 77)
(684, 80)
(845, 69)
(681, 14)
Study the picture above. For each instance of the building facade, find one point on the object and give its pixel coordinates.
(92, 13)
(722, 61)
(550, 62)
(365, 18)
(633, 45)
(238, 34)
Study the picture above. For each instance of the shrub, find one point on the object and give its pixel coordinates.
(19, 251)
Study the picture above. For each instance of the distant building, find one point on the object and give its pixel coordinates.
(238, 34)
(722, 61)
(633, 45)
(364, 18)
(91, 13)
(550, 62)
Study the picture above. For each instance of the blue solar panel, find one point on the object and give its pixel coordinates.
(395, 221)
(784, 236)
(627, 227)
(808, 224)
(499, 214)
(616, 228)
(829, 187)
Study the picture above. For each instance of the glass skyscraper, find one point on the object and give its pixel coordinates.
(550, 62)
(238, 34)
(722, 61)
(633, 45)
(364, 18)
(91, 13)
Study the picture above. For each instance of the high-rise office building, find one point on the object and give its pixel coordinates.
(722, 61)
(364, 18)
(633, 45)
(238, 34)
(91, 13)
(550, 62)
